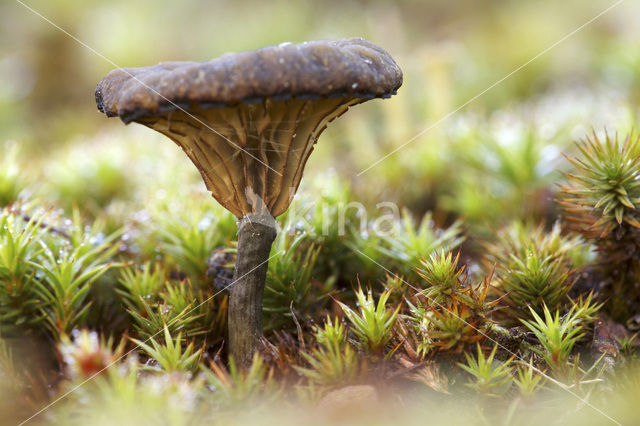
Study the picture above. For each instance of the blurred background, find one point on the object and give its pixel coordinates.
(490, 161)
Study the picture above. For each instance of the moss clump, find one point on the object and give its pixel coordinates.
(601, 201)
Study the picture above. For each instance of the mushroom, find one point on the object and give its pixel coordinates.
(249, 121)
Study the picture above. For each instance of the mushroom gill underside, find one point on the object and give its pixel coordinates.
(251, 156)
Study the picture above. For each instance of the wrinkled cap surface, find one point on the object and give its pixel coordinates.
(351, 67)
(249, 121)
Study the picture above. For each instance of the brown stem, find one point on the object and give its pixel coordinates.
(256, 233)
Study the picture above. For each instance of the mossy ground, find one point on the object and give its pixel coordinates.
(464, 279)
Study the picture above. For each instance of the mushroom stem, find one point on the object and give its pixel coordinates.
(256, 233)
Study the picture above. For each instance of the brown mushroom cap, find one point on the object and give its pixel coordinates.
(249, 120)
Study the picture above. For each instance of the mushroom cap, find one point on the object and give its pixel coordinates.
(350, 67)
(249, 121)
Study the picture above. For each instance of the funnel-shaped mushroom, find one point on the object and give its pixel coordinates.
(248, 121)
